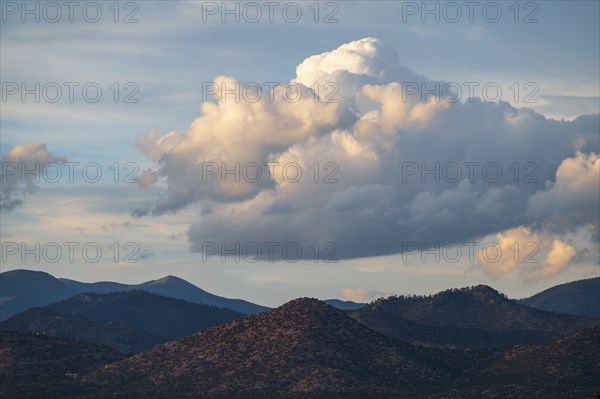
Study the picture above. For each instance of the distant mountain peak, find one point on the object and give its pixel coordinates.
(24, 272)
(170, 279)
(344, 305)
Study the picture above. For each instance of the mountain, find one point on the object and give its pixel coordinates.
(178, 288)
(101, 287)
(386, 321)
(130, 321)
(163, 316)
(570, 365)
(344, 305)
(302, 349)
(124, 337)
(170, 286)
(24, 289)
(580, 298)
(36, 366)
(472, 318)
(566, 368)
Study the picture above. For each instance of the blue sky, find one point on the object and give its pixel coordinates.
(163, 60)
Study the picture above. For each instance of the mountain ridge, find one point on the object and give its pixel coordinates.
(304, 346)
(475, 317)
(22, 289)
(130, 321)
(580, 298)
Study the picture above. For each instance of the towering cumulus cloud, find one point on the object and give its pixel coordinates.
(348, 153)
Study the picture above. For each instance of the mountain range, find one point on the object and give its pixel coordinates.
(303, 349)
(581, 298)
(23, 289)
(471, 342)
(130, 321)
(469, 318)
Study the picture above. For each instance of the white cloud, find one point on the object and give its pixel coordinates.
(22, 168)
(573, 199)
(577, 186)
(362, 143)
(535, 255)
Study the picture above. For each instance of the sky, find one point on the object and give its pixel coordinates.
(272, 150)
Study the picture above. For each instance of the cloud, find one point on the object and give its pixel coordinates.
(23, 167)
(366, 58)
(148, 178)
(560, 255)
(567, 107)
(373, 169)
(535, 255)
(573, 199)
